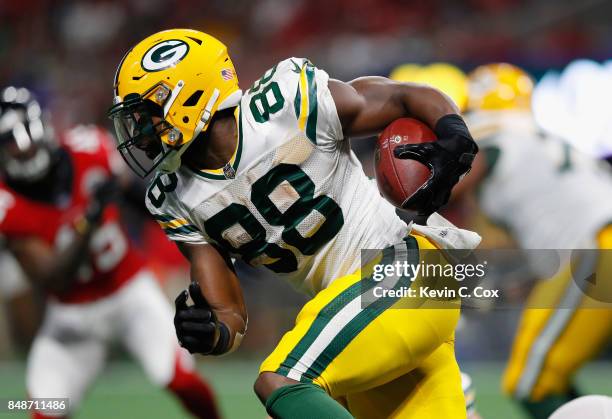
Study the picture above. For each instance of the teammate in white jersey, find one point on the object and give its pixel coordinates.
(268, 176)
(546, 195)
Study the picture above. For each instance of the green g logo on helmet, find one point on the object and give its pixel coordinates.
(164, 54)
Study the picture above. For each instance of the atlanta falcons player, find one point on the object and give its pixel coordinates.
(59, 219)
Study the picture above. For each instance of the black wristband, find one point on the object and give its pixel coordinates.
(222, 345)
(452, 125)
(454, 136)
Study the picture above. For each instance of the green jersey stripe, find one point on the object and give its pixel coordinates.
(186, 229)
(328, 312)
(239, 151)
(297, 102)
(311, 121)
(357, 324)
(163, 218)
(208, 175)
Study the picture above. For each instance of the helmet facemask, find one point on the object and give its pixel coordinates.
(26, 145)
(145, 137)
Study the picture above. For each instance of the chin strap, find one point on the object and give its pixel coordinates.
(172, 159)
(206, 114)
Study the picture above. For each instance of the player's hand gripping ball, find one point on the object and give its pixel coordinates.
(417, 169)
(398, 180)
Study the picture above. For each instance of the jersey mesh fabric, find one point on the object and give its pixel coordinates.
(278, 142)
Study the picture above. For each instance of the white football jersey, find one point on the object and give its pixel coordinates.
(547, 194)
(293, 198)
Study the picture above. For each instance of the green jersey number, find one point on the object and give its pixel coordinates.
(284, 260)
(263, 80)
(267, 101)
(239, 214)
(296, 213)
(158, 189)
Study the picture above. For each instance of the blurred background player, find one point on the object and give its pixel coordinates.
(59, 220)
(547, 196)
(573, 104)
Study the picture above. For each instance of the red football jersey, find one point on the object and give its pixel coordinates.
(113, 259)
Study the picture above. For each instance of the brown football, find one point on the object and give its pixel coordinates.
(398, 179)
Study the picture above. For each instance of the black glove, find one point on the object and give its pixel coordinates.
(448, 158)
(196, 326)
(103, 194)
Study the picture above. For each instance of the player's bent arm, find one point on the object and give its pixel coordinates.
(56, 269)
(367, 105)
(53, 270)
(220, 288)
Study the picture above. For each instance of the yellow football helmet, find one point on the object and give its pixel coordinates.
(499, 86)
(167, 89)
(406, 72)
(446, 77)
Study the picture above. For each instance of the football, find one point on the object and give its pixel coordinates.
(398, 179)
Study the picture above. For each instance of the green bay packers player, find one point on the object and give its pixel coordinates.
(547, 196)
(268, 176)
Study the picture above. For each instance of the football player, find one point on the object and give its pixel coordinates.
(59, 221)
(268, 176)
(546, 195)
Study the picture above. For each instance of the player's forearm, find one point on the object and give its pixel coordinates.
(367, 105)
(439, 112)
(228, 307)
(218, 303)
(425, 103)
(236, 323)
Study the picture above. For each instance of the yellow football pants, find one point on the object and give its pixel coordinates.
(552, 343)
(381, 361)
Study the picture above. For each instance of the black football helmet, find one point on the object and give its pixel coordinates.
(26, 138)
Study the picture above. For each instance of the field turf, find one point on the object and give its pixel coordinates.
(123, 391)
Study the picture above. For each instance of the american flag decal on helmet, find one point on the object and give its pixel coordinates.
(227, 74)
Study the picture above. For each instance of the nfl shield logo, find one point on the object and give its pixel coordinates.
(227, 74)
(229, 172)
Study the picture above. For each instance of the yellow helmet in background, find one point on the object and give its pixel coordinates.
(167, 89)
(499, 86)
(406, 72)
(450, 79)
(446, 77)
